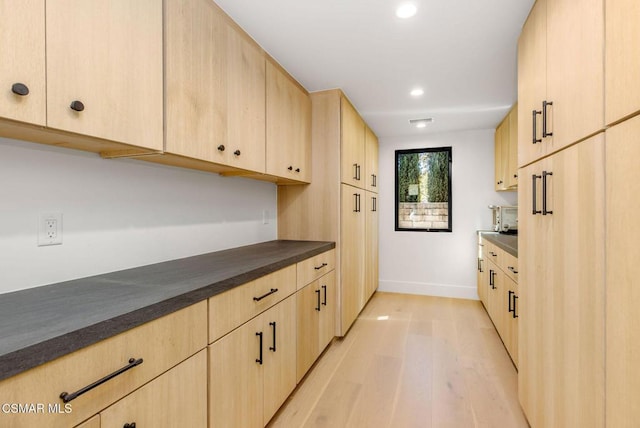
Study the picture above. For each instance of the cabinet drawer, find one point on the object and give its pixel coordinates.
(235, 307)
(311, 269)
(493, 253)
(161, 344)
(509, 264)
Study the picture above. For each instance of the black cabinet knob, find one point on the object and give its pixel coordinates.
(297, 169)
(221, 148)
(77, 105)
(20, 89)
(237, 153)
(290, 168)
(129, 425)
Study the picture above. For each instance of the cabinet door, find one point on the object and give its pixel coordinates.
(288, 127)
(622, 64)
(309, 306)
(279, 327)
(352, 254)
(623, 271)
(352, 148)
(562, 368)
(371, 245)
(510, 317)
(196, 81)
(532, 83)
(482, 283)
(327, 327)
(575, 71)
(512, 163)
(371, 164)
(22, 61)
(495, 278)
(177, 398)
(107, 55)
(235, 377)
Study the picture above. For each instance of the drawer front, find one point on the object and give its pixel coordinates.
(509, 265)
(238, 305)
(492, 252)
(313, 268)
(161, 344)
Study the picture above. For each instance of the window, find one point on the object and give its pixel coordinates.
(423, 190)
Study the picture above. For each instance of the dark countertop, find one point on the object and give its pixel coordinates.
(509, 243)
(40, 324)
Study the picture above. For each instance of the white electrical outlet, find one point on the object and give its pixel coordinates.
(50, 229)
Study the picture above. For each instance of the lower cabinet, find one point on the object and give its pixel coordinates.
(496, 296)
(316, 321)
(182, 392)
(252, 370)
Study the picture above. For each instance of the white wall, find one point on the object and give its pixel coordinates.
(117, 213)
(440, 264)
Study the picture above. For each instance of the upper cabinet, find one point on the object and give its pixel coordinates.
(352, 146)
(622, 62)
(215, 88)
(22, 61)
(512, 164)
(104, 69)
(288, 127)
(557, 40)
(506, 152)
(371, 160)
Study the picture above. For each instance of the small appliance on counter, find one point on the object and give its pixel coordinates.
(505, 218)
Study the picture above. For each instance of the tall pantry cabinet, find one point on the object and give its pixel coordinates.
(341, 203)
(561, 200)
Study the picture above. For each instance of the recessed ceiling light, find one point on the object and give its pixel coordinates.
(417, 92)
(406, 10)
(421, 123)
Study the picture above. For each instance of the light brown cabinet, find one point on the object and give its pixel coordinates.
(511, 177)
(371, 244)
(622, 64)
(371, 160)
(557, 39)
(506, 152)
(252, 370)
(316, 320)
(622, 273)
(22, 61)
(561, 285)
(352, 147)
(288, 127)
(331, 211)
(176, 398)
(215, 88)
(104, 69)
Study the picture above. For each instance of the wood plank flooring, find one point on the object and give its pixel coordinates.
(410, 361)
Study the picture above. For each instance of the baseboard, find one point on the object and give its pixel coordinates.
(425, 289)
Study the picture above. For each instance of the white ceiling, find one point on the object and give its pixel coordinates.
(462, 52)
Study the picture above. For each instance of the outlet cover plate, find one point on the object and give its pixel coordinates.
(50, 229)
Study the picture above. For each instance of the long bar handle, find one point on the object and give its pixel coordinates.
(374, 203)
(545, 174)
(259, 359)
(535, 196)
(66, 397)
(535, 140)
(320, 267)
(273, 290)
(511, 293)
(318, 295)
(545, 104)
(515, 307)
(491, 282)
(324, 301)
(273, 348)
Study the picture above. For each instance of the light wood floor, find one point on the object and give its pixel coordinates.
(410, 361)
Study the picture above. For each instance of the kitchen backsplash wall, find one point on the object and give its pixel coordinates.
(440, 263)
(117, 213)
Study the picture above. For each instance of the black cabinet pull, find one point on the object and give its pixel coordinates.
(320, 267)
(20, 89)
(357, 202)
(535, 125)
(493, 254)
(373, 180)
(290, 168)
(259, 359)
(512, 269)
(480, 265)
(237, 153)
(515, 175)
(545, 211)
(318, 295)
(515, 307)
(324, 301)
(545, 104)
(297, 169)
(491, 281)
(273, 348)
(221, 148)
(77, 105)
(358, 172)
(534, 210)
(511, 293)
(355, 171)
(374, 204)
(129, 425)
(66, 397)
(273, 290)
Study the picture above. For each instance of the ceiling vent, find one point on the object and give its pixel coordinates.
(421, 123)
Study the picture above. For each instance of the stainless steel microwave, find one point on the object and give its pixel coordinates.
(505, 218)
